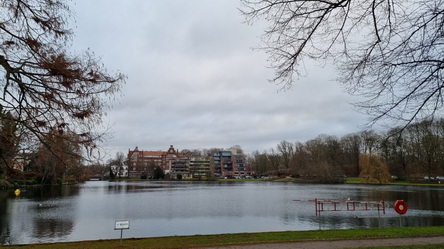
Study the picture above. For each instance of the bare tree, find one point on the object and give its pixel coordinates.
(390, 52)
(300, 158)
(57, 159)
(351, 145)
(258, 162)
(370, 141)
(274, 160)
(46, 88)
(287, 152)
(8, 143)
(426, 147)
(324, 158)
(395, 151)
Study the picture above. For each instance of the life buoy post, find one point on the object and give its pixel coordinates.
(401, 208)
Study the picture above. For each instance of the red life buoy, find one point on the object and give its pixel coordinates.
(400, 207)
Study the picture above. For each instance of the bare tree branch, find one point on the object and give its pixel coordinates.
(388, 52)
(45, 88)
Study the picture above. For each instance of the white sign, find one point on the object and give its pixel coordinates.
(121, 224)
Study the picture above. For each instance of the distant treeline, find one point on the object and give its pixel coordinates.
(416, 150)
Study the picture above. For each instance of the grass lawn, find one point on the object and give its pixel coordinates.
(247, 238)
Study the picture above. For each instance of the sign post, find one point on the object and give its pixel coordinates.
(121, 225)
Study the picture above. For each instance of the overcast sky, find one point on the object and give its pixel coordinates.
(194, 80)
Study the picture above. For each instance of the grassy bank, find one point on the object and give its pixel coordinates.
(357, 180)
(246, 238)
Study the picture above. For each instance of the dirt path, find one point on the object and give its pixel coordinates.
(339, 244)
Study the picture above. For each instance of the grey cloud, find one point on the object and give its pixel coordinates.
(195, 82)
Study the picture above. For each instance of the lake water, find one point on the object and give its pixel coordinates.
(89, 211)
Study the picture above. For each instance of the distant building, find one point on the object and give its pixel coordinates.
(201, 167)
(230, 163)
(145, 162)
(178, 165)
(20, 160)
(120, 171)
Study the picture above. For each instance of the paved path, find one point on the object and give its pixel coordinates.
(339, 244)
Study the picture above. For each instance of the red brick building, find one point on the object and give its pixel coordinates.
(171, 161)
(230, 163)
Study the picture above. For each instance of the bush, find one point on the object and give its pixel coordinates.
(158, 173)
(373, 169)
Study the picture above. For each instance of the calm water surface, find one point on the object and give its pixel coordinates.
(89, 211)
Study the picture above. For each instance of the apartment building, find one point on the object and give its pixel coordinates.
(179, 166)
(200, 167)
(230, 163)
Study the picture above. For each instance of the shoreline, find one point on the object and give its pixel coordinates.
(282, 240)
(348, 180)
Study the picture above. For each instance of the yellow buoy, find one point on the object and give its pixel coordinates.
(17, 192)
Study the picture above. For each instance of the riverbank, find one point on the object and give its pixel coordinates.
(245, 239)
(357, 180)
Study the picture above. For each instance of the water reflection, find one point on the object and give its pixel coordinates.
(52, 228)
(88, 211)
(45, 212)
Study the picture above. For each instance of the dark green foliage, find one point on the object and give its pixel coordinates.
(143, 176)
(158, 173)
(112, 176)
